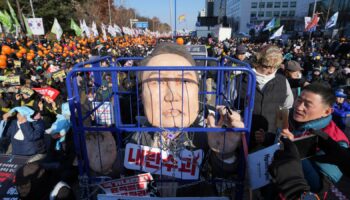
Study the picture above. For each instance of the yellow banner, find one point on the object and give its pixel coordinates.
(59, 74)
(13, 80)
(17, 63)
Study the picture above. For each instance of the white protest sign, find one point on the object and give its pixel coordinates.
(128, 186)
(157, 161)
(36, 25)
(224, 33)
(258, 163)
(104, 114)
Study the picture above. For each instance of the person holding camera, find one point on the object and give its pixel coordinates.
(312, 110)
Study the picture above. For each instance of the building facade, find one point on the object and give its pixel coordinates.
(291, 13)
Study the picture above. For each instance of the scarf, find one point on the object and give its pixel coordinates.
(262, 79)
(299, 128)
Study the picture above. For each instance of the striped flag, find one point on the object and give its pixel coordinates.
(313, 23)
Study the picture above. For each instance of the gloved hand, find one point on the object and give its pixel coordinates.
(287, 172)
(334, 153)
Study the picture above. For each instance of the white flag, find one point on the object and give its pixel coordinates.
(56, 29)
(36, 25)
(0, 28)
(332, 21)
(103, 28)
(117, 29)
(86, 29)
(111, 31)
(278, 33)
(94, 29)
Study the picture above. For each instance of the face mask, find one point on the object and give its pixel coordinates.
(263, 79)
(299, 75)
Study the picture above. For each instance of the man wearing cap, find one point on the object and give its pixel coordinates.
(330, 75)
(241, 53)
(294, 76)
(341, 109)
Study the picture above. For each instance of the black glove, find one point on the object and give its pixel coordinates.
(287, 172)
(334, 153)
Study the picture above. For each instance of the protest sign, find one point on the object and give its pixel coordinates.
(17, 64)
(129, 186)
(104, 113)
(258, 163)
(36, 26)
(57, 75)
(8, 166)
(27, 91)
(47, 92)
(184, 166)
(12, 80)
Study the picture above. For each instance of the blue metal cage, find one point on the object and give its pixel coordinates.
(104, 96)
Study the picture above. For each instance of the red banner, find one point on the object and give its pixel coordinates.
(47, 92)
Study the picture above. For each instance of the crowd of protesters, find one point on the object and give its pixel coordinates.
(36, 118)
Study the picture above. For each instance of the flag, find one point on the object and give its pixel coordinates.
(0, 29)
(332, 21)
(5, 19)
(270, 25)
(56, 29)
(13, 14)
(86, 29)
(75, 27)
(94, 29)
(117, 29)
(277, 23)
(36, 26)
(259, 26)
(103, 28)
(313, 23)
(29, 31)
(47, 92)
(111, 31)
(278, 33)
(182, 18)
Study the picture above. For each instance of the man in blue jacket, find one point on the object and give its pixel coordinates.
(26, 134)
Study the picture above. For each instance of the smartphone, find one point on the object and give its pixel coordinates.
(307, 145)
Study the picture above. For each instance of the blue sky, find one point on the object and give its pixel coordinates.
(161, 9)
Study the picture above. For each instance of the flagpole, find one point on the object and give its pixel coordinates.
(175, 18)
(313, 13)
(31, 5)
(329, 7)
(170, 13)
(109, 10)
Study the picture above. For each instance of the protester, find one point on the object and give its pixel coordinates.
(312, 111)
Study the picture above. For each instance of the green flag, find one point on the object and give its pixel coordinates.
(13, 14)
(278, 23)
(75, 27)
(5, 19)
(29, 31)
(56, 29)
